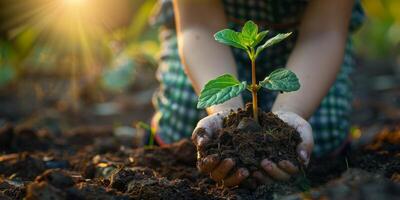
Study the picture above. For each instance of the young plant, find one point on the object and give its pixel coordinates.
(227, 86)
(149, 129)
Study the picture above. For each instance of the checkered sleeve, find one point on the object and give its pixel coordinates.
(175, 101)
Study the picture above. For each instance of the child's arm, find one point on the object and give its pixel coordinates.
(316, 60)
(318, 55)
(203, 58)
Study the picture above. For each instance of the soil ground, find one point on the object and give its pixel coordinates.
(74, 166)
(59, 147)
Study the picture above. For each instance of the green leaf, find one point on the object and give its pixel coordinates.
(281, 80)
(248, 34)
(260, 36)
(230, 37)
(245, 41)
(220, 90)
(278, 38)
(250, 30)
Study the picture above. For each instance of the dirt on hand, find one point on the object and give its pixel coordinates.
(249, 142)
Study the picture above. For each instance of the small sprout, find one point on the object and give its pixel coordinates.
(227, 86)
(149, 129)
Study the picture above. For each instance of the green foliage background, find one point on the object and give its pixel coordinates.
(27, 49)
(23, 48)
(379, 37)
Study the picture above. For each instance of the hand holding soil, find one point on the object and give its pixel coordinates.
(220, 169)
(284, 169)
(304, 149)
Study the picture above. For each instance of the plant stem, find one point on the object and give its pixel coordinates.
(254, 89)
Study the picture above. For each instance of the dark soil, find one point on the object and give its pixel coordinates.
(383, 154)
(69, 168)
(249, 142)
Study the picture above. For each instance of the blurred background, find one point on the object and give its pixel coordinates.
(71, 63)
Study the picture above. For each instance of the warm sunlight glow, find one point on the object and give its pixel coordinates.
(76, 32)
(74, 2)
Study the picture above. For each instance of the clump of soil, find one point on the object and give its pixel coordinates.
(11, 190)
(143, 183)
(249, 142)
(70, 169)
(172, 161)
(381, 155)
(353, 184)
(6, 136)
(14, 139)
(56, 177)
(22, 166)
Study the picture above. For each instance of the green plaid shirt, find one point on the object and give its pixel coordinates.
(176, 101)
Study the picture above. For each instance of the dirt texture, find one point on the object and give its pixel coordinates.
(73, 168)
(249, 142)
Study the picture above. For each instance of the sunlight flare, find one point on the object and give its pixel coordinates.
(74, 2)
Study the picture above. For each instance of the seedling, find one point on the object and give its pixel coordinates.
(148, 128)
(227, 86)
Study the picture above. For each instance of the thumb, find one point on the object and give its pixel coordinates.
(304, 149)
(206, 128)
(200, 137)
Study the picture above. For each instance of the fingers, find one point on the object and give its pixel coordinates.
(212, 122)
(288, 167)
(236, 178)
(200, 137)
(304, 149)
(220, 172)
(304, 155)
(274, 171)
(206, 127)
(208, 163)
(281, 172)
(262, 178)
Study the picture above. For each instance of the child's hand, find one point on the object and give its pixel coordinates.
(278, 171)
(212, 164)
(305, 148)
(283, 170)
